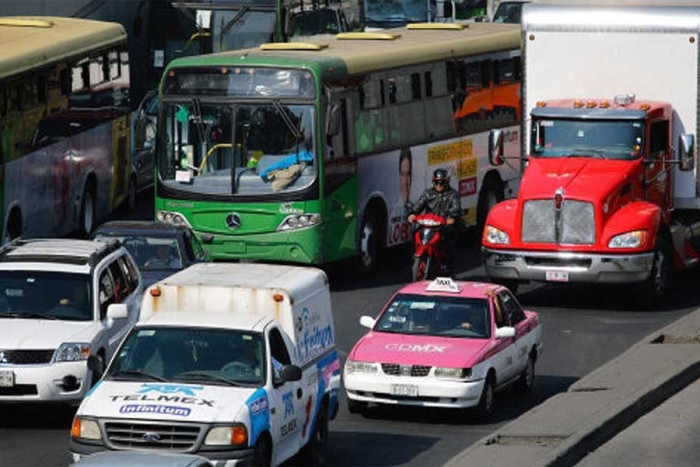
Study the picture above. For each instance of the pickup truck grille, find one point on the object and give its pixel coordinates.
(393, 369)
(573, 224)
(26, 357)
(170, 437)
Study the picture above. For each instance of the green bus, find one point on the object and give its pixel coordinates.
(313, 152)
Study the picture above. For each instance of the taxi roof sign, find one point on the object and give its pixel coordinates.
(443, 284)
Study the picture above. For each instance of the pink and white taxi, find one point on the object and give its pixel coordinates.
(444, 343)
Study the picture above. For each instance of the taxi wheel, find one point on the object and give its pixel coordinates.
(486, 403)
(357, 406)
(315, 452)
(527, 378)
(262, 455)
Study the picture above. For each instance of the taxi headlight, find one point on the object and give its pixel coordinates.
(495, 236)
(634, 239)
(233, 435)
(453, 373)
(352, 366)
(85, 429)
(72, 352)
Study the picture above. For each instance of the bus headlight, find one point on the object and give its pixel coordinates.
(495, 236)
(85, 429)
(174, 218)
(72, 352)
(634, 239)
(299, 221)
(234, 435)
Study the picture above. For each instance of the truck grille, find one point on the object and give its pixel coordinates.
(152, 436)
(393, 369)
(26, 357)
(574, 224)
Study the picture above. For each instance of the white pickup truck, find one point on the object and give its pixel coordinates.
(234, 362)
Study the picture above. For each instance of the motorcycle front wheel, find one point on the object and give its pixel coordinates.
(420, 269)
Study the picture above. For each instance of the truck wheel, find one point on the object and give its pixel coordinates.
(491, 194)
(315, 450)
(262, 456)
(527, 378)
(357, 407)
(486, 402)
(654, 291)
(87, 213)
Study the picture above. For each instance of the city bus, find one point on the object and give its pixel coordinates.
(64, 125)
(313, 152)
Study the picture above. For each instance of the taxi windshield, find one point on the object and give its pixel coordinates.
(436, 316)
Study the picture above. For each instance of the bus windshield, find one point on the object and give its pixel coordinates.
(256, 148)
(609, 139)
(395, 13)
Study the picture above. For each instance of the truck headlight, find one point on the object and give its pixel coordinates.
(453, 373)
(352, 366)
(634, 239)
(495, 236)
(233, 435)
(299, 221)
(72, 352)
(85, 429)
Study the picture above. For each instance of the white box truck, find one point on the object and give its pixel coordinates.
(610, 191)
(234, 362)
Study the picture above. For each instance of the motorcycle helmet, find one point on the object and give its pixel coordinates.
(441, 175)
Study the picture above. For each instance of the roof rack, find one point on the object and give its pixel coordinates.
(292, 46)
(367, 36)
(437, 26)
(26, 23)
(102, 250)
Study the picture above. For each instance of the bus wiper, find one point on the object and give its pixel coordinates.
(199, 374)
(585, 152)
(139, 374)
(235, 20)
(197, 108)
(287, 120)
(26, 315)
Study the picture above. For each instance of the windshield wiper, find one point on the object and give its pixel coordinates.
(26, 315)
(137, 373)
(287, 120)
(198, 374)
(244, 9)
(587, 152)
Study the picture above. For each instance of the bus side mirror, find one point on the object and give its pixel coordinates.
(333, 119)
(686, 148)
(496, 147)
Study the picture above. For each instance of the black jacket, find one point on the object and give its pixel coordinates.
(445, 204)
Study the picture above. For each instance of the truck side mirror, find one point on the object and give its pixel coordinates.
(333, 119)
(290, 373)
(96, 365)
(686, 149)
(496, 147)
(116, 311)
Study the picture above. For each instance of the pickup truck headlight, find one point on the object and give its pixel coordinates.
(72, 352)
(495, 236)
(85, 429)
(453, 373)
(352, 366)
(634, 239)
(233, 435)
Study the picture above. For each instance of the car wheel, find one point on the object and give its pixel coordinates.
(356, 407)
(315, 450)
(485, 408)
(262, 456)
(527, 378)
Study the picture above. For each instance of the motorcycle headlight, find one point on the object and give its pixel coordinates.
(352, 366)
(72, 352)
(495, 236)
(634, 239)
(453, 373)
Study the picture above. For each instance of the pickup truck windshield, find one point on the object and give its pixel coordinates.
(606, 139)
(201, 355)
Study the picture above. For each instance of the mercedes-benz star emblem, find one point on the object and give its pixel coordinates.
(233, 221)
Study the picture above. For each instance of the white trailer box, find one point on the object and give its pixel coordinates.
(257, 379)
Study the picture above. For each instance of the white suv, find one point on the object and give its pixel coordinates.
(54, 297)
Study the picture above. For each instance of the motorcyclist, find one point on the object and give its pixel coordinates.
(443, 200)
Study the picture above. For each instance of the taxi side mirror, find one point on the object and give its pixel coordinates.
(367, 321)
(505, 332)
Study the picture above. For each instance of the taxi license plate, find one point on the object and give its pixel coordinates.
(557, 276)
(7, 379)
(404, 390)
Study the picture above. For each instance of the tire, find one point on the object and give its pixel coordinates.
(87, 213)
(491, 194)
(315, 451)
(371, 243)
(526, 382)
(130, 201)
(653, 292)
(13, 229)
(262, 456)
(485, 408)
(419, 270)
(357, 407)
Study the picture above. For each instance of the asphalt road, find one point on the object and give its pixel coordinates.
(584, 327)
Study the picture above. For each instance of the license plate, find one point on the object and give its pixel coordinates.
(557, 276)
(404, 390)
(7, 379)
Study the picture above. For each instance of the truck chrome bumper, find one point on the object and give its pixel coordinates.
(577, 267)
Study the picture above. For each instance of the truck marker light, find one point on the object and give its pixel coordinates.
(278, 297)
(604, 105)
(541, 104)
(591, 104)
(645, 107)
(155, 291)
(578, 104)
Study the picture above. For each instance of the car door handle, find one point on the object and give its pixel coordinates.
(300, 393)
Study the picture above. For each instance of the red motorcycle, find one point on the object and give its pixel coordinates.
(430, 255)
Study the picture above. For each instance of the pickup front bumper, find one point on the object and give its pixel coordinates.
(519, 265)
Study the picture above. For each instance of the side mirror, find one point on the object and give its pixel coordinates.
(686, 150)
(496, 147)
(117, 311)
(290, 373)
(96, 365)
(367, 321)
(505, 332)
(333, 119)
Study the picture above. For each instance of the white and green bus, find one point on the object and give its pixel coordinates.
(313, 152)
(64, 124)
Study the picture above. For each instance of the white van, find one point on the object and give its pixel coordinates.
(234, 362)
